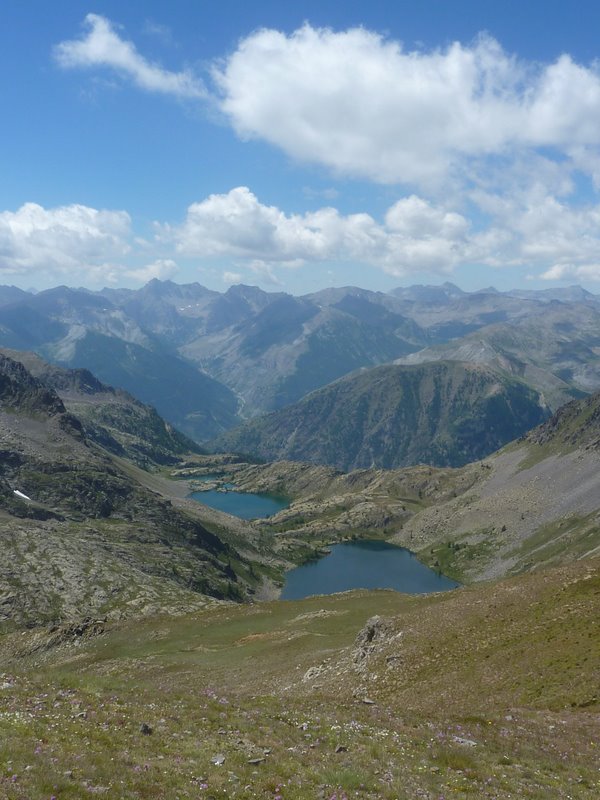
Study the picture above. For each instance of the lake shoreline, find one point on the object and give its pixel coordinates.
(368, 564)
(218, 491)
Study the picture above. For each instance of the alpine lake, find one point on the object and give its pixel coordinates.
(361, 564)
(241, 504)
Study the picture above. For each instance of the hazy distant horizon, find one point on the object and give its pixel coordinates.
(274, 290)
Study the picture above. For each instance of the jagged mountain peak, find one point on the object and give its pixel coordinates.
(20, 391)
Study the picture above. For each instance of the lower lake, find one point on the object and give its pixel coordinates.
(242, 504)
(364, 565)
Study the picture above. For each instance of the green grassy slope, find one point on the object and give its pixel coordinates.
(489, 692)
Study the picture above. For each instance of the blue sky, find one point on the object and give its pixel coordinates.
(296, 146)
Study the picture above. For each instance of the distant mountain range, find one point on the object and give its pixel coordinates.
(207, 360)
(556, 352)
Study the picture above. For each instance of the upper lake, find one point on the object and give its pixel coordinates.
(242, 504)
(364, 565)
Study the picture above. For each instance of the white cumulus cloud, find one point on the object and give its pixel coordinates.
(364, 106)
(416, 235)
(62, 240)
(102, 46)
(531, 229)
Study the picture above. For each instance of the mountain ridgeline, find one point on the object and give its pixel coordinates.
(557, 353)
(574, 425)
(110, 417)
(443, 413)
(208, 361)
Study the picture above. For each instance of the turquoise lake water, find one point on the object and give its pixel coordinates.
(364, 565)
(242, 504)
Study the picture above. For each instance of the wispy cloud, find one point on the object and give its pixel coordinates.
(561, 272)
(231, 278)
(102, 46)
(162, 269)
(161, 32)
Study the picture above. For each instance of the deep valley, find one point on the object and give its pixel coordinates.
(142, 621)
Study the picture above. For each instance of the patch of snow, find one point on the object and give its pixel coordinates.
(20, 494)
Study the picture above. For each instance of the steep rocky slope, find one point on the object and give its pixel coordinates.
(445, 414)
(574, 425)
(80, 531)
(111, 417)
